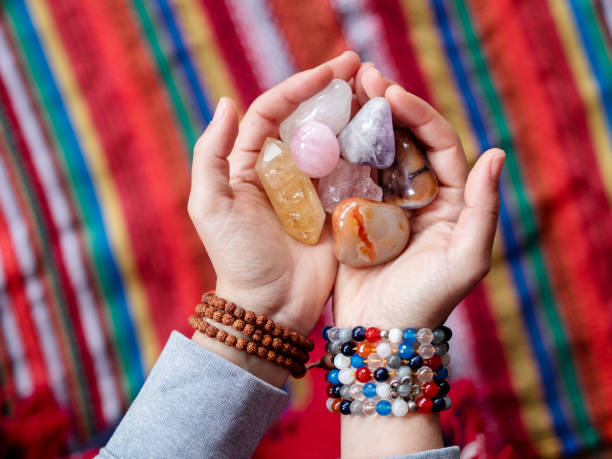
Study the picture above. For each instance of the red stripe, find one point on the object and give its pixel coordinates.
(313, 23)
(554, 177)
(70, 298)
(144, 152)
(401, 49)
(235, 56)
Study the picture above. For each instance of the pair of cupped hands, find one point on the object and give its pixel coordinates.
(261, 268)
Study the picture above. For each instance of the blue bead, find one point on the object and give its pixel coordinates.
(345, 406)
(333, 378)
(383, 408)
(369, 390)
(336, 391)
(441, 374)
(409, 335)
(415, 362)
(444, 388)
(438, 404)
(357, 361)
(381, 374)
(404, 350)
(347, 348)
(324, 332)
(359, 333)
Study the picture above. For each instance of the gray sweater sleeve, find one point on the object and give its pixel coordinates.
(195, 404)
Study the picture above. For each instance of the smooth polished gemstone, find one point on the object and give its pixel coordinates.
(415, 362)
(346, 375)
(424, 374)
(438, 336)
(336, 405)
(447, 403)
(438, 404)
(369, 390)
(345, 334)
(409, 335)
(374, 361)
(446, 360)
(395, 336)
(345, 407)
(344, 390)
(384, 350)
(356, 407)
(442, 349)
(347, 181)
(356, 391)
(368, 138)
(424, 335)
(399, 407)
(412, 406)
(424, 405)
(357, 361)
(332, 377)
(363, 375)
(369, 407)
(383, 390)
(443, 388)
(434, 362)
(364, 349)
(427, 351)
(325, 331)
(329, 390)
(328, 404)
(430, 389)
(335, 392)
(359, 333)
(334, 348)
(342, 361)
(404, 390)
(383, 408)
(333, 334)
(368, 233)
(441, 374)
(404, 372)
(290, 192)
(409, 182)
(381, 374)
(372, 334)
(448, 333)
(347, 348)
(394, 361)
(331, 107)
(404, 351)
(315, 150)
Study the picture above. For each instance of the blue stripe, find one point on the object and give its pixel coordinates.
(106, 265)
(185, 59)
(602, 70)
(548, 375)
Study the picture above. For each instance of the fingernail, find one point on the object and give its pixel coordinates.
(497, 163)
(220, 109)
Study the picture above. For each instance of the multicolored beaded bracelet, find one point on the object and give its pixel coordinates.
(409, 369)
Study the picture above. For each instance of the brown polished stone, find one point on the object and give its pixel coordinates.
(409, 182)
(368, 233)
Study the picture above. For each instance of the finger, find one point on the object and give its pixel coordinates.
(374, 83)
(472, 239)
(443, 146)
(362, 97)
(265, 114)
(210, 188)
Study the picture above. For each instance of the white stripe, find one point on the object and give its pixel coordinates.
(259, 34)
(607, 7)
(72, 256)
(364, 33)
(13, 341)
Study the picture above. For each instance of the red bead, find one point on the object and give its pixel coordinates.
(330, 388)
(434, 363)
(363, 374)
(372, 334)
(424, 405)
(430, 389)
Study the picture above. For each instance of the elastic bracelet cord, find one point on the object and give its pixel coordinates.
(388, 372)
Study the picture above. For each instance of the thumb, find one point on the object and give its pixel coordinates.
(210, 188)
(472, 240)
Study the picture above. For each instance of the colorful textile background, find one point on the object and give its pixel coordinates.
(101, 103)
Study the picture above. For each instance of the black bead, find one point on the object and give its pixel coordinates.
(347, 348)
(381, 374)
(415, 362)
(345, 407)
(359, 333)
(336, 391)
(444, 388)
(448, 333)
(438, 404)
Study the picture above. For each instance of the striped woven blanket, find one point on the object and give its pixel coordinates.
(100, 105)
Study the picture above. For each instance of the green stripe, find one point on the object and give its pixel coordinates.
(563, 351)
(163, 67)
(50, 268)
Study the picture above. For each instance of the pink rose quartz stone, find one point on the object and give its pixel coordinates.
(314, 149)
(347, 181)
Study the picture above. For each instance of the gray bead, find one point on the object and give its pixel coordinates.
(404, 390)
(447, 402)
(438, 336)
(334, 348)
(345, 334)
(442, 349)
(394, 361)
(412, 406)
(344, 391)
(384, 334)
(404, 371)
(406, 380)
(356, 407)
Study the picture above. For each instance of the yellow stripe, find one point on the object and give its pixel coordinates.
(205, 51)
(523, 375)
(432, 60)
(587, 88)
(94, 155)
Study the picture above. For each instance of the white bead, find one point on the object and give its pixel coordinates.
(395, 336)
(356, 407)
(425, 374)
(399, 407)
(383, 390)
(333, 334)
(426, 351)
(328, 404)
(344, 391)
(356, 391)
(342, 361)
(424, 335)
(384, 350)
(346, 376)
(345, 335)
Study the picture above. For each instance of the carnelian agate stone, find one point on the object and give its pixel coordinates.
(368, 233)
(409, 182)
